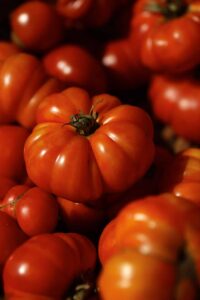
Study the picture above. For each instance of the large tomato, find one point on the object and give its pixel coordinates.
(46, 265)
(156, 238)
(23, 85)
(176, 102)
(84, 147)
(168, 33)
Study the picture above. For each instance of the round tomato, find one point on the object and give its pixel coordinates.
(84, 147)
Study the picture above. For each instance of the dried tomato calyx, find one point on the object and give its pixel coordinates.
(170, 8)
(85, 124)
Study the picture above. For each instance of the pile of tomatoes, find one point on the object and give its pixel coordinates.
(100, 149)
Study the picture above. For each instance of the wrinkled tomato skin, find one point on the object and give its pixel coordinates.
(12, 163)
(165, 45)
(123, 277)
(75, 66)
(176, 102)
(127, 125)
(31, 24)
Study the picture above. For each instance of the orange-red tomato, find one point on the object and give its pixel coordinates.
(84, 147)
(156, 237)
(23, 84)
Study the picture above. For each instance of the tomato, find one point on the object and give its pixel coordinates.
(75, 66)
(132, 275)
(5, 184)
(11, 237)
(45, 265)
(176, 102)
(35, 210)
(23, 84)
(82, 164)
(92, 13)
(36, 26)
(7, 49)
(12, 139)
(181, 177)
(169, 34)
(78, 217)
(122, 65)
(154, 235)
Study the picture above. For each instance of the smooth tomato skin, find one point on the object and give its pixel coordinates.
(31, 23)
(121, 127)
(11, 237)
(37, 212)
(17, 102)
(176, 102)
(12, 139)
(8, 203)
(75, 66)
(48, 268)
(89, 13)
(6, 184)
(122, 277)
(7, 49)
(123, 66)
(78, 217)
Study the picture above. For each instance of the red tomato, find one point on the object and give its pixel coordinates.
(176, 102)
(82, 164)
(17, 102)
(12, 139)
(11, 237)
(36, 26)
(170, 34)
(93, 13)
(46, 265)
(5, 184)
(78, 217)
(7, 49)
(123, 66)
(75, 66)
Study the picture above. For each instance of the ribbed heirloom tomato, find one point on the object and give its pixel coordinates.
(84, 147)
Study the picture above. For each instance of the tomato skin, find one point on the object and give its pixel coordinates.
(181, 177)
(11, 237)
(75, 66)
(167, 46)
(123, 277)
(78, 217)
(92, 13)
(48, 264)
(19, 71)
(5, 184)
(123, 66)
(12, 163)
(31, 23)
(130, 125)
(155, 230)
(175, 101)
(7, 49)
